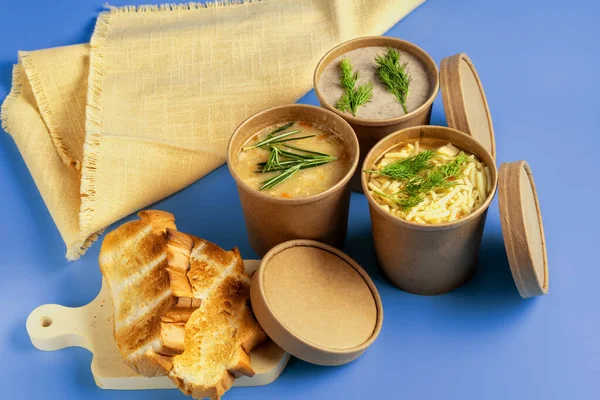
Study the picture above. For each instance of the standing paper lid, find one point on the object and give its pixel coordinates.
(316, 303)
(464, 100)
(522, 229)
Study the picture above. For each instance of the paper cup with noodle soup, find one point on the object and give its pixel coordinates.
(428, 188)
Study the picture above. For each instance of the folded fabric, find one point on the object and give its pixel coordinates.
(148, 107)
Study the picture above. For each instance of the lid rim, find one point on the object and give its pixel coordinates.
(454, 100)
(512, 219)
(285, 337)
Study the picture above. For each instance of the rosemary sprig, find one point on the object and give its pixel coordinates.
(306, 160)
(394, 75)
(286, 161)
(282, 177)
(306, 151)
(291, 139)
(289, 167)
(272, 163)
(291, 162)
(297, 156)
(303, 164)
(274, 139)
(408, 167)
(353, 96)
(281, 128)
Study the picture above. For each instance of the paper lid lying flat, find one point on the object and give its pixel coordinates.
(522, 229)
(316, 303)
(464, 100)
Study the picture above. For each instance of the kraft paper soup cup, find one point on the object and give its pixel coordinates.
(435, 258)
(370, 131)
(272, 220)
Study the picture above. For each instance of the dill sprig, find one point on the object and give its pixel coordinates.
(406, 168)
(404, 202)
(394, 75)
(353, 96)
(439, 178)
(453, 168)
(416, 185)
(347, 78)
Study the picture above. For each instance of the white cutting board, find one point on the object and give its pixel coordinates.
(53, 327)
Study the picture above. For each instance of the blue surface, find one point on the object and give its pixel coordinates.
(538, 61)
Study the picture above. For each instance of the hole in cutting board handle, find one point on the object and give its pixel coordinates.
(46, 322)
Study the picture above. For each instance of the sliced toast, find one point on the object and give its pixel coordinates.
(133, 259)
(221, 331)
(181, 305)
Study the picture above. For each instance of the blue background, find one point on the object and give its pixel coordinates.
(539, 63)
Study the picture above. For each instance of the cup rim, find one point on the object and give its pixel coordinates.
(414, 49)
(231, 152)
(373, 205)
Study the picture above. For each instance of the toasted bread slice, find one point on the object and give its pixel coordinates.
(133, 260)
(221, 332)
(180, 305)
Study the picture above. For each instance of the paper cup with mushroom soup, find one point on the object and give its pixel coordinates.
(428, 189)
(379, 85)
(292, 166)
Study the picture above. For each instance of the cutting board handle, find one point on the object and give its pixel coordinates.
(54, 327)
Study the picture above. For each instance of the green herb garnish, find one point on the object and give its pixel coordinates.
(281, 129)
(306, 151)
(439, 178)
(408, 167)
(290, 167)
(405, 202)
(272, 163)
(416, 185)
(270, 140)
(286, 161)
(394, 75)
(303, 164)
(282, 177)
(353, 96)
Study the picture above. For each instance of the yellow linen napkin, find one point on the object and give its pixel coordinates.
(148, 107)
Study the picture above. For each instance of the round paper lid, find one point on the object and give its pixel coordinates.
(522, 229)
(464, 100)
(316, 303)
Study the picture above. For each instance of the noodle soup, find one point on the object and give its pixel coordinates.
(292, 160)
(429, 182)
(428, 245)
